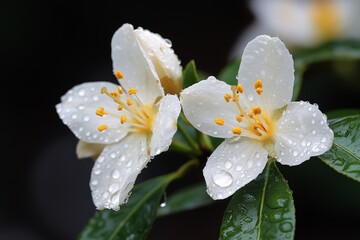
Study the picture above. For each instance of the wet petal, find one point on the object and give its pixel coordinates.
(232, 165)
(115, 171)
(129, 57)
(267, 59)
(85, 150)
(165, 124)
(78, 111)
(302, 132)
(204, 102)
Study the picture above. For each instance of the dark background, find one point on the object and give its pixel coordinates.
(46, 48)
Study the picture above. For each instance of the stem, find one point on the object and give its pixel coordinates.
(178, 146)
(189, 139)
(185, 168)
(206, 142)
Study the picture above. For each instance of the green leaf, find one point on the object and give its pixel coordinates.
(339, 113)
(186, 199)
(135, 218)
(263, 209)
(190, 74)
(229, 73)
(344, 155)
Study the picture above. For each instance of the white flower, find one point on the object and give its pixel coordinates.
(131, 123)
(165, 61)
(256, 118)
(302, 23)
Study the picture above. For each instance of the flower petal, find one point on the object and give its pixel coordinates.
(165, 124)
(78, 111)
(302, 132)
(204, 101)
(267, 59)
(85, 150)
(232, 165)
(115, 171)
(129, 57)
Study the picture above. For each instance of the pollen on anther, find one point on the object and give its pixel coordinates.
(132, 91)
(119, 75)
(123, 119)
(259, 90)
(102, 127)
(219, 121)
(258, 84)
(100, 111)
(227, 97)
(129, 102)
(120, 107)
(256, 110)
(238, 118)
(120, 90)
(240, 88)
(114, 94)
(236, 130)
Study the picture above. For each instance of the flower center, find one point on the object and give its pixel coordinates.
(252, 121)
(131, 111)
(326, 19)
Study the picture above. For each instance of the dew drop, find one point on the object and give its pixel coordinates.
(295, 153)
(100, 159)
(97, 171)
(74, 116)
(113, 155)
(228, 164)
(286, 227)
(323, 139)
(69, 99)
(275, 217)
(250, 163)
(257, 155)
(219, 196)
(115, 174)
(113, 187)
(249, 198)
(238, 168)
(222, 179)
(86, 118)
(94, 182)
(313, 121)
(247, 219)
(81, 107)
(81, 92)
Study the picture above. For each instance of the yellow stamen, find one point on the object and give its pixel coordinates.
(120, 90)
(256, 110)
(219, 121)
(227, 97)
(101, 111)
(132, 91)
(102, 127)
(240, 88)
(259, 90)
(129, 102)
(236, 130)
(258, 84)
(123, 119)
(120, 107)
(114, 94)
(119, 75)
(239, 118)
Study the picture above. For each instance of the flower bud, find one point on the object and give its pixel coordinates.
(165, 61)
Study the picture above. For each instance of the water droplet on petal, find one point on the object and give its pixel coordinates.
(286, 227)
(228, 164)
(81, 92)
(115, 174)
(113, 155)
(94, 182)
(257, 155)
(238, 167)
(113, 187)
(222, 179)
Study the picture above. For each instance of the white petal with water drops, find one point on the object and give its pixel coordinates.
(203, 102)
(78, 111)
(302, 132)
(267, 59)
(232, 165)
(129, 57)
(115, 171)
(165, 124)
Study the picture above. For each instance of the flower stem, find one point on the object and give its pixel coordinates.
(178, 146)
(189, 139)
(185, 168)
